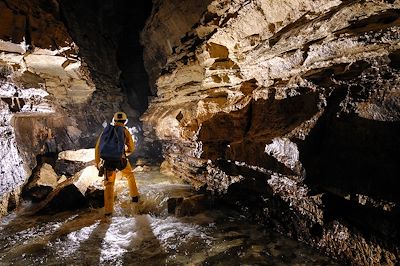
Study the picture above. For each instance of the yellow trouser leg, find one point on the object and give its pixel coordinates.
(128, 174)
(109, 192)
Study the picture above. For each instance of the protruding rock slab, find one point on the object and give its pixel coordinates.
(82, 155)
(70, 162)
(82, 190)
(44, 181)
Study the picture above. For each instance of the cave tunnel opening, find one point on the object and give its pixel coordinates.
(108, 37)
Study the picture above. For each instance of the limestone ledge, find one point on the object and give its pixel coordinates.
(301, 95)
(63, 78)
(36, 46)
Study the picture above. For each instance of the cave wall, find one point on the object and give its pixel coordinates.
(41, 77)
(64, 71)
(165, 28)
(296, 103)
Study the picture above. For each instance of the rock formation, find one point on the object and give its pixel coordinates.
(53, 192)
(44, 181)
(289, 109)
(293, 106)
(55, 95)
(41, 80)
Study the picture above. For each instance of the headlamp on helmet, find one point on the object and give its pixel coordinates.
(120, 117)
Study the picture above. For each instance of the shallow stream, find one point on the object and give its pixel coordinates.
(145, 233)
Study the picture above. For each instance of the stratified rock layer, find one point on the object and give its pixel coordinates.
(293, 106)
(55, 96)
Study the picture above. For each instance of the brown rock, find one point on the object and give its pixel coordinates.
(95, 196)
(79, 191)
(70, 162)
(44, 181)
(187, 206)
(304, 96)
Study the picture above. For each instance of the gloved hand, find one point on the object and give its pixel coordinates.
(101, 170)
(100, 167)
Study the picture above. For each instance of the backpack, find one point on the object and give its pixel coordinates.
(112, 147)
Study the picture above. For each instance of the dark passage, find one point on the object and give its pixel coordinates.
(107, 34)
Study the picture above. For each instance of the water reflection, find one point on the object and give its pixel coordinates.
(145, 234)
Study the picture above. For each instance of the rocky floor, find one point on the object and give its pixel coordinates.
(149, 233)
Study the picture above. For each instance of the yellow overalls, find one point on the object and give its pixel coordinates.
(127, 172)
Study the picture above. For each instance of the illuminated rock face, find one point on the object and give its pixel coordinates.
(36, 44)
(41, 80)
(293, 106)
(48, 91)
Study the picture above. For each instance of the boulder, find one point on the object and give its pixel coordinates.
(187, 206)
(82, 155)
(80, 191)
(95, 196)
(70, 162)
(43, 182)
(68, 168)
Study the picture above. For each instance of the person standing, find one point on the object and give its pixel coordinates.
(112, 148)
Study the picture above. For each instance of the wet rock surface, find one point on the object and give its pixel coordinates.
(188, 206)
(292, 108)
(58, 189)
(145, 233)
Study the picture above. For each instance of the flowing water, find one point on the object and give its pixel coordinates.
(145, 234)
